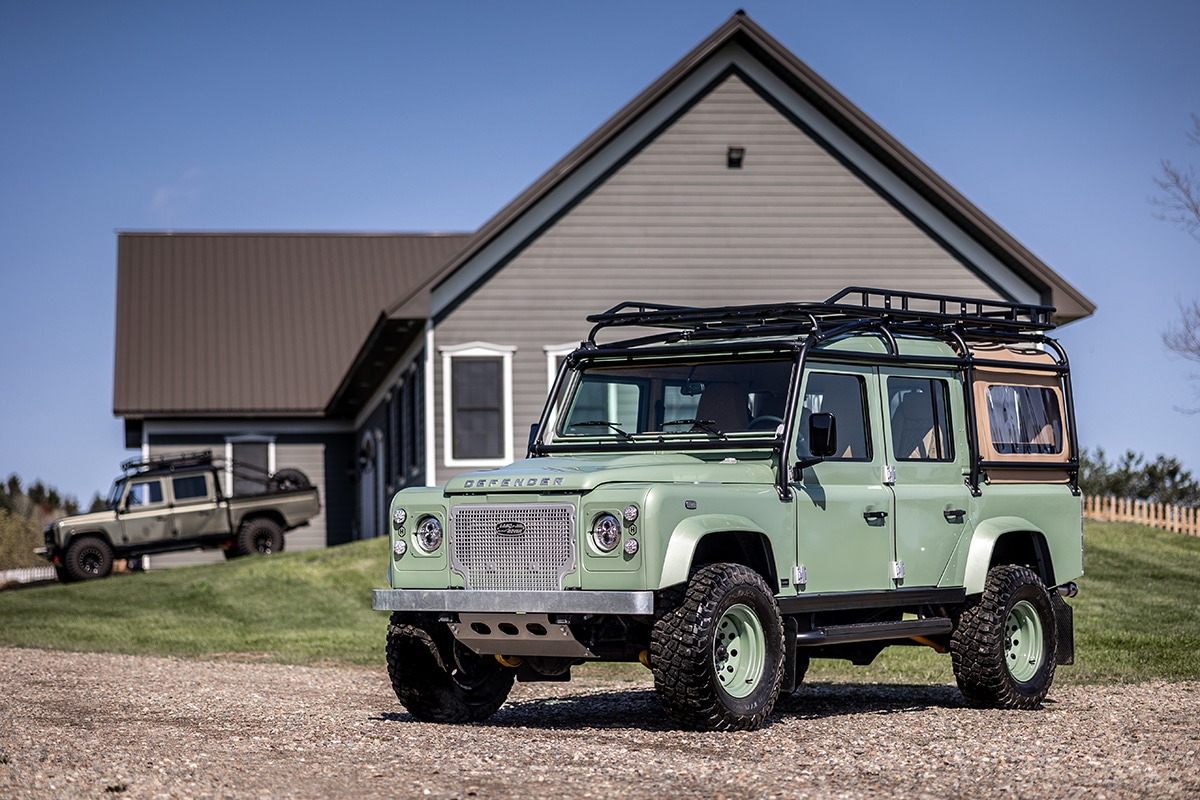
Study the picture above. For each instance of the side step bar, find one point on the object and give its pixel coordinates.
(873, 631)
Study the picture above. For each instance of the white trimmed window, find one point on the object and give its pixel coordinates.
(254, 459)
(477, 427)
(555, 353)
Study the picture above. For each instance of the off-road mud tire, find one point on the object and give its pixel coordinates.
(1004, 648)
(288, 479)
(87, 558)
(439, 680)
(260, 536)
(688, 651)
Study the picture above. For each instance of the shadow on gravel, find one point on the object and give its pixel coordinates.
(640, 709)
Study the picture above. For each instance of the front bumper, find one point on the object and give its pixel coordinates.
(502, 602)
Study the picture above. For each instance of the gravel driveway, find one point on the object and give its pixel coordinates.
(88, 725)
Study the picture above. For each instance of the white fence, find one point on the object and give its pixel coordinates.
(27, 575)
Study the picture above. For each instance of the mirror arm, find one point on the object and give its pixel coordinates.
(803, 464)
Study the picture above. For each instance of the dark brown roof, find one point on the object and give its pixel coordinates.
(221, 324)
(740, 29)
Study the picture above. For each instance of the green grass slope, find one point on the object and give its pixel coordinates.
(1137, 616)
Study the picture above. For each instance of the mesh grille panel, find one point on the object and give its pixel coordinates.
(513, 547)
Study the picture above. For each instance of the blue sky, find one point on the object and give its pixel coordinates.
(397, 116)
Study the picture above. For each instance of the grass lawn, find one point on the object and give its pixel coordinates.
(1137, 616)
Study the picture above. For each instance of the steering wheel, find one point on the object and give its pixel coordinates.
(765, 418)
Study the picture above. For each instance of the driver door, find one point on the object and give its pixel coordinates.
(145, 515)
(844, 512)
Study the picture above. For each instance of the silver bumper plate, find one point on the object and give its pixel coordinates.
(499, 602)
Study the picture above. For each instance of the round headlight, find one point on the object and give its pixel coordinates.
(400, 547)
(429, 534)
(606, 532)
(399, 516)
(631, 514)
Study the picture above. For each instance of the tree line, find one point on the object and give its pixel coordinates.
(1163, 480)
(24, 512)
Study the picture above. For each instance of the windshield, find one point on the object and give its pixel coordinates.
(114, 494)
(712, 398)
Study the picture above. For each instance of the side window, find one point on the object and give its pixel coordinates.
(477, 403)
(919, 419)
(191, 487)
(145, 493)
(844, 397)
(1024, 420)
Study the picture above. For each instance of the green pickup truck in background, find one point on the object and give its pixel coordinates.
(734, 491)
(176, 502)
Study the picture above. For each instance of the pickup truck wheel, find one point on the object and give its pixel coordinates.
(1005, 647)
(88, 557)
(717, 658)
(439, 680)
(260, 535)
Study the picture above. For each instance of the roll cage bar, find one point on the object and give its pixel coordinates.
(804, 327)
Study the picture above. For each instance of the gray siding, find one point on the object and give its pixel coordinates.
(675, 225)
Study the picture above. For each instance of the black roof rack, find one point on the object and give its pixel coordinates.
(201, 458)
(971, 317)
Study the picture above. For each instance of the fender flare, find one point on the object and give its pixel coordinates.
(686, 537)
(983, 544)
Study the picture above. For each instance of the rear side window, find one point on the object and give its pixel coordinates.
(919, 420)
(192, 487)
(1024, 420)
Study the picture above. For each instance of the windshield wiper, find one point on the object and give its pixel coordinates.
(601, 423)
(707, 425)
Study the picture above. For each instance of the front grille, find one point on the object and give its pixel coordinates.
(513, 547)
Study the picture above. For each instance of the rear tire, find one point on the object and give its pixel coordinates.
(1005, 646)
(88, 558)
(438, 679)
(717, 658)
(261, 536)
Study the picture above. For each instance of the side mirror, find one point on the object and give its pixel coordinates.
(533, 435)
(822, 435)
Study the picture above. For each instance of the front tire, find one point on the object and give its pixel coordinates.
(438, 679)
(88, 558)
(717, 658)
(1005, 646)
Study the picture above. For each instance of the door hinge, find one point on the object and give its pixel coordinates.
(889, 474)
(799, 575)
(897, 570)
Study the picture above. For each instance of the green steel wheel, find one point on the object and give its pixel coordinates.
(1005, 646)
(739, 651)
(1024, 646)
(717, 654)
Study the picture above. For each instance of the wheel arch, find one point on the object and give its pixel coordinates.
(266, 513)
(1007, 540)
(96, 533)
(718, 538)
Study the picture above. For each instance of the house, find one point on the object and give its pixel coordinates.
(379, 361)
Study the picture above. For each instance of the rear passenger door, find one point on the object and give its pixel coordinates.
(195, 512)
(926, 442)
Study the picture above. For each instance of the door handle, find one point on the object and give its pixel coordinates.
(874, 516)
(954, 514)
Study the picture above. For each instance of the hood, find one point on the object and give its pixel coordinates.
(581, 474)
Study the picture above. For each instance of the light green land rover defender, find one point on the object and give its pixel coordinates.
(730, 492)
